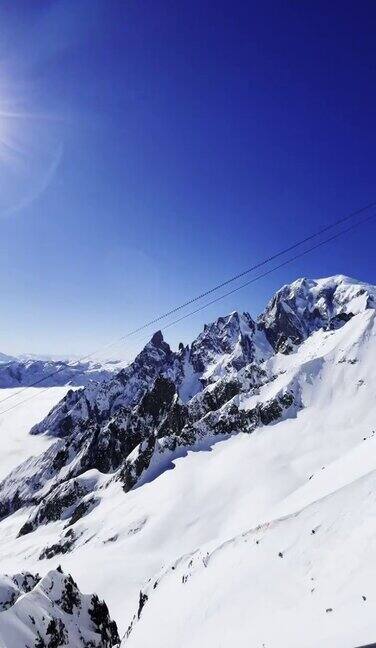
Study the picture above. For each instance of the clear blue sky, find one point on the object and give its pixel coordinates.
(151, 148)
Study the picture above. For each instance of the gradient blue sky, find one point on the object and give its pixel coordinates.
(151, 148)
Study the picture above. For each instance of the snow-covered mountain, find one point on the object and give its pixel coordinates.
(268, 425)
(22, 372)
(52, 612)
(299, 309)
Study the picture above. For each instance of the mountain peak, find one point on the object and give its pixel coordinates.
(231, 336)
(306, 305)
(157, 339)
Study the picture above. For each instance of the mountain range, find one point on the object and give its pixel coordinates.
(46, 372)
(219, 494)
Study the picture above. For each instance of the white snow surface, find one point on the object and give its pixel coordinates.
(266, 540)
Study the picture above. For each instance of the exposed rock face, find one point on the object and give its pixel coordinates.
(99, 402)
(230, 336)
(54, 507)
(55, 613)
(129, 428)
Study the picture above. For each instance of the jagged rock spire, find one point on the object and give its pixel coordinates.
(157, 339)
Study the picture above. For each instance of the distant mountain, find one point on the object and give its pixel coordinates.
(279, 508)
(17, 372)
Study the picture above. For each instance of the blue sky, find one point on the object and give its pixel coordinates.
(149, 149)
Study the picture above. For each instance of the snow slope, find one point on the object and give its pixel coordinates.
(209, 515)
(304, 580)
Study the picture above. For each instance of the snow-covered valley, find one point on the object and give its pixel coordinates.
(222, 495)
